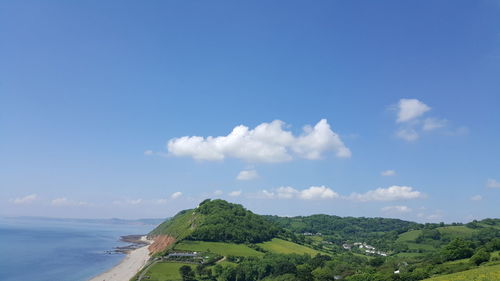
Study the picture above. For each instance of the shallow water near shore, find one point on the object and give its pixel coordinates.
(48, 250)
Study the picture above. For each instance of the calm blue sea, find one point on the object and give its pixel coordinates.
(48, 250)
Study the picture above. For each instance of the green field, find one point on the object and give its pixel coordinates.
(483, 273)
(165, 271)
(285, 247)
(221, 248)
(456, 231)
(409, 236)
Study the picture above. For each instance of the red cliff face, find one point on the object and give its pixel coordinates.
(160, 243)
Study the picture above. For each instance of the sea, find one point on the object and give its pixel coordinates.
(46, 249)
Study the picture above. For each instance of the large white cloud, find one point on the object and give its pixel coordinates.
(391, 193)
(409, 109)
(28, 199)
(268, 142)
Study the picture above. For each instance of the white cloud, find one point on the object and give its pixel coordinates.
(148, 152)
(63, 201)
(129, 202)
(396, 209)
(391, 193)
(134, 201)
(235, 193)
(492, 183)
(246, 175)
(476, 198)
(434, 123)
(409, 109)
(218, 192)
(388, 173)
(28, 199)
(288, 192)
(268, 142)
(318, 192)
(407, 134)
(161, 201)
(176, 195)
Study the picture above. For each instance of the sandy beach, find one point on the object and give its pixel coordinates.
(128, 267)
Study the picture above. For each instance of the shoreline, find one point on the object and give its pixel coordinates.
(128, 267)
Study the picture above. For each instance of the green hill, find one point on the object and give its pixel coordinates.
(220, 221)
(232, 243)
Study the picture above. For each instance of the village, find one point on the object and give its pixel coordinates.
(368, 249)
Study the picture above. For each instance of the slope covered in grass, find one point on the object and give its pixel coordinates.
(179, 227)
(221, 248)
(281, 246)
(483, 273)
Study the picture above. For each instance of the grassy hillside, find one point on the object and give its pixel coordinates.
(221, 248)
(281, 246)
(483, 273)
(180, 226)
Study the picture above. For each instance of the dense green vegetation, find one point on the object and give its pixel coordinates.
(243, 246)
(223, 221)
(218, 220)
(379, 232)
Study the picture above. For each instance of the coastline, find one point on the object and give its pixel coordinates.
(132, 263)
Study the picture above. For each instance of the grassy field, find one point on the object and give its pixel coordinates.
(221, 248)
(409, 236)
(456, 231)
(483, 273)
(409, 255)
(165, 271)
(285, 247)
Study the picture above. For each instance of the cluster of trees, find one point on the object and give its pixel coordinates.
(227, 222)
(379, 232)
(280, 267)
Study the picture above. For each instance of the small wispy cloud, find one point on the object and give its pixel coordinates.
(476, 198)
(410, 109)
(391, 193)
(28, 199)
(388, 173)
(176, 195)
(63, 201)
(492, 183)
(288, 192)
(396, 209)
(411, 122)
(235, 193)
(247, 175)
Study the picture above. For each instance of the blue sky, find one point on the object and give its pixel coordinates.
(401, 100)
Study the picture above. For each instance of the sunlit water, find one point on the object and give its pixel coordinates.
(45, 250)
